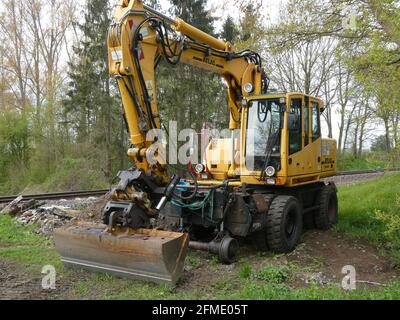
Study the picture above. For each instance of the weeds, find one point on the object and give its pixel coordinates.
(391, 219)
(193, 261)
(245, 272)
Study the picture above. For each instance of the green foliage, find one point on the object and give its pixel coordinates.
(273, 274)
(358, 204)
(14, 147)
(245, 271)
(255, 291)
(195, 13)
(193, 261)
(391, 219)
(372, 160)
(22, 245)
(90, 106)
(77, 140)
(380, 144)
(252, 27)
(12, 234)
(230, 31)
(75, 173)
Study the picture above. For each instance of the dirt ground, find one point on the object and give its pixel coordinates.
(331, 252)
(16, 284)
(320, 257)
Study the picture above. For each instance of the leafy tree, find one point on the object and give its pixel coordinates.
(230, 31)
(14, 144)
(379, 144)
(187, 94)
(252, 28)
(366, 37)
(90, 105)
(195, 13)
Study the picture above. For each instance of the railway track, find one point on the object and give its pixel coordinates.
(57, 196)
(357, 172)
(97, 193)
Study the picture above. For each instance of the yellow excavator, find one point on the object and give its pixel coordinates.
(265, 184)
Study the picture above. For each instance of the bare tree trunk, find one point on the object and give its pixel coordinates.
(49, 39)
(344, 95)
(395, 125)
(355, 140)
(11, 27)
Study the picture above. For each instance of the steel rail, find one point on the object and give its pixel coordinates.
(57, 196)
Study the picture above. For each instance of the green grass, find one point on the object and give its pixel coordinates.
(280, 291)
(245, 271)
(193, 261)
(358, 204)
(348, 163)
(103, 286)
(22, 245)
(12, 234)
(369, 160)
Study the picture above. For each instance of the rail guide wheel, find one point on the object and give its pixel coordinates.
(228, 250)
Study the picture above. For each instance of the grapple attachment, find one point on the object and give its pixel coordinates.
(144, 254)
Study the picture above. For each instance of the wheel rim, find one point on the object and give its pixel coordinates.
(232, 251)
(229, 250)
(291, 223)
(332, 209)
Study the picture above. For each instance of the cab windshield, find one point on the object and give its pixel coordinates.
(263, 135)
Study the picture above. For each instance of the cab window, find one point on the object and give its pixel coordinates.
(295, 119)
(306, 123)
(316, 124)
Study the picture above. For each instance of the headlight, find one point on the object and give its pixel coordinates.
(270, 171)
(271, 182)
(200, 168)
(248, 88)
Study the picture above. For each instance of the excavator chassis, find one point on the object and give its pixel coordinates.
(151, 255)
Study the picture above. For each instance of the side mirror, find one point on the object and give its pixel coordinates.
(294, 122)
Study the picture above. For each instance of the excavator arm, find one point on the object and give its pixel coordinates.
(140, 37)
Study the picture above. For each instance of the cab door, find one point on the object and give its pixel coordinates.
(304, 154)
(312, 136)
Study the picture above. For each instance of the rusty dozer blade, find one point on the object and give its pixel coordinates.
(150, 255)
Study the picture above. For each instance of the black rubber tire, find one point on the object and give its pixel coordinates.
(259, 240)
(228, 251)
(327, 215)
(308, 221)
(284, 214)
